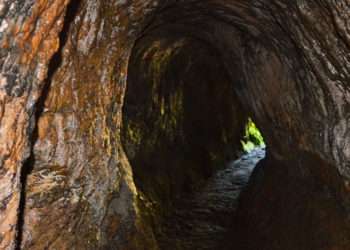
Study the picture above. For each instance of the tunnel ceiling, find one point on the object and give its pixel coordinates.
(64, 70)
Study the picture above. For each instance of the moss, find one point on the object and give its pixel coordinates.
(252, 137)
(134, 133)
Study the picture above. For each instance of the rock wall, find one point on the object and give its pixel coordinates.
(28, 39)
(65, 181)
(80, 192)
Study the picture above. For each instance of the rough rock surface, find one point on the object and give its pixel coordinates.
(65, 181)
(28, 39)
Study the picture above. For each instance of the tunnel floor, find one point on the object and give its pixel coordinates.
(201, 220)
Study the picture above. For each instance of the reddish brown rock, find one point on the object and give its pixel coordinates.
(25, 55)
(65, 181)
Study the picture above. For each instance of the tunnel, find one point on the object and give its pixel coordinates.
(182, 121)
(179, 110)
(185, 110)
(123, 124)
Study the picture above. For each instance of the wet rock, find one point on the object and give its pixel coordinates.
(28, 39)
(288, 62)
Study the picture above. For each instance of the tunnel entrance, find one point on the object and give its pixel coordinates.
(189, 140)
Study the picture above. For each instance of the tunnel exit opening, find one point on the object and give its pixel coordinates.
(252, 138)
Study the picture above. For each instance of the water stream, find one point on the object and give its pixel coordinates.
(202, 219)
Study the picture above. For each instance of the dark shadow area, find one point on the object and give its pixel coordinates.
(288, 201)
(181, 116)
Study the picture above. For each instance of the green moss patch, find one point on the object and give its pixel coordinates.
(252, 137)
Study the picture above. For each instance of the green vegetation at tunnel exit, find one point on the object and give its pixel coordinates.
(252, 137)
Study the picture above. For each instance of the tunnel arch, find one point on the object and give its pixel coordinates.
(268, 79)
(290, 74)
(252, 37)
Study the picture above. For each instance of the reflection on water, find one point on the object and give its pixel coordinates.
(202, 219)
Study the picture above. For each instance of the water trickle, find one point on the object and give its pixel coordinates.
(202, 219)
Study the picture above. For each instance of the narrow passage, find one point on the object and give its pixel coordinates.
(202, 219)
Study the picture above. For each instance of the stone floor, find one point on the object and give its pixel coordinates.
(202, 219)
